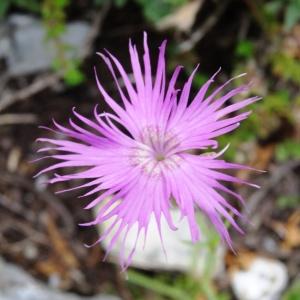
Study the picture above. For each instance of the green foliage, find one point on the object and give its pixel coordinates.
(187, 286)
(244, 49)
(273, 7)
(154, 10)
(157, 285)
(292, 14)
(54, 17)
(4, 6)
(288, 201)
(288, 149)
(118, 3)
(199, 80)
(277, 102)
(71, 71)
(73, 75)
(293, 293)
(290, 9)
(264, 120)
(30, 5)
(53, 13)
(286, 67)
(178, 287)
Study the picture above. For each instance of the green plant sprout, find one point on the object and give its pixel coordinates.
(54, 17)
(187, 286)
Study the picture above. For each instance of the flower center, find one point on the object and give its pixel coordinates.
(159, 157)
(156, 152)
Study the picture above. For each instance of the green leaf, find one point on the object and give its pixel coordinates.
(292, 15)
(288, 201)
(154, 10)
(32, 5)
(244, 49)
(61, 3)
(293, 293)
(4, 6)
(273, 7)
(73, 76)
(286, 67)
(287, 150)
(199, 80)
(156, 285)
(120, 3)
(277, 102)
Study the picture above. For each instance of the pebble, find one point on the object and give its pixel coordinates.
(265, 279)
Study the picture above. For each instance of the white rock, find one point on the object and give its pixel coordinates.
(264, 280)
(181, 254)
(16, 284)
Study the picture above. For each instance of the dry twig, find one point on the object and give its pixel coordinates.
(96, 28)
(10, 119)
(37, 86)
(49, 198)
(276, 176)
(200, 33)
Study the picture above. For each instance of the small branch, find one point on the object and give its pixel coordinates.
(200, 33)
(30, 232)
(37, 86)
(276, 176)
(96, 28)
(9, 119)
(18, 180)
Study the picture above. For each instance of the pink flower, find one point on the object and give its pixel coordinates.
(141, 160)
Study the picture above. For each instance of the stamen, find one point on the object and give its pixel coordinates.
(159, 143)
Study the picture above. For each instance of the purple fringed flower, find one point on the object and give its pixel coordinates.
(141, 159)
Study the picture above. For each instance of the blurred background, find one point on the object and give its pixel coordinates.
(47, 54)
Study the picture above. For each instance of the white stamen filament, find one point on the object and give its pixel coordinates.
(157, 157)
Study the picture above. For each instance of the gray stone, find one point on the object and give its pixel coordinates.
(16, 284)
(27, 50)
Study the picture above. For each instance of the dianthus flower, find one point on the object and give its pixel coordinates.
(148, 155)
